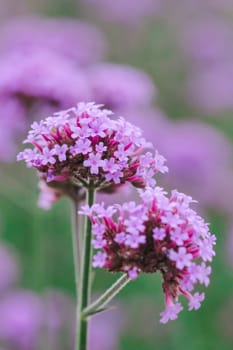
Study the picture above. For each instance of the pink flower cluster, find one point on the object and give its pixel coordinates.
(83, 145)
(160, 234)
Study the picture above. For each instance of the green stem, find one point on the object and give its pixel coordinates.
(85, 283)
(104, 299)
(76, 241)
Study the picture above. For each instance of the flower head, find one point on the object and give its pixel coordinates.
(74, 39)
(12, 124)
(120, 87)
(21, 319)
(42, 80)
(83, 145)
(9, 268)
(126, 12)
(160, 234)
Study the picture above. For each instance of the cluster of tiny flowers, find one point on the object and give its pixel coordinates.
(160, 234)
(84, 145)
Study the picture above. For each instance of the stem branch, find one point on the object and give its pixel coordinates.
(107, 296)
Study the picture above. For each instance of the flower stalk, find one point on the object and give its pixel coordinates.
(84, 289)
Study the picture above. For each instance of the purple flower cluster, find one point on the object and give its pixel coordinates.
(21, 318)
(73, 39)
(12, 125)
(41, 80)
(125, 11)
(28, 319)
(192, 145)
(120, 86)
(209, 86)
(160, 234)
(49, 64)
(41, 68)
(84, 145)
(9, 268)
(192, 149)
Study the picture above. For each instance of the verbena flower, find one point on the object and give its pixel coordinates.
(42, 78)
(106, 329)
(200, 49)
(126, 12)
(12, 125)
(33, 84)
(210, 89)
(21, 319)
(209, 85)
(120, 86)
(9, 268)
(40, 70)
(74, 39)
(189, 145)
(160, 234)
(83, 145)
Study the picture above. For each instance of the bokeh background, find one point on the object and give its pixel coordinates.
(165, 65)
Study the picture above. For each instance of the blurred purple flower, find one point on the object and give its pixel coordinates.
(214, 4)
(59, 320)
(211, 89)
(34, 84)
(43, 76)
(186, 9)
(9, 267)
(20, 319)
(200, 160)
(13, 122)
(47, 195)
(152, 121)
(125, 11)
(208, 41)
(28, 320)
(198, 155)
(59, 308)
(59, 324)
(39, 70)
(74, 39)
(105, 330)
(120, 86)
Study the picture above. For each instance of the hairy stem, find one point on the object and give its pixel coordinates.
(104, 299)
(85, 282)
